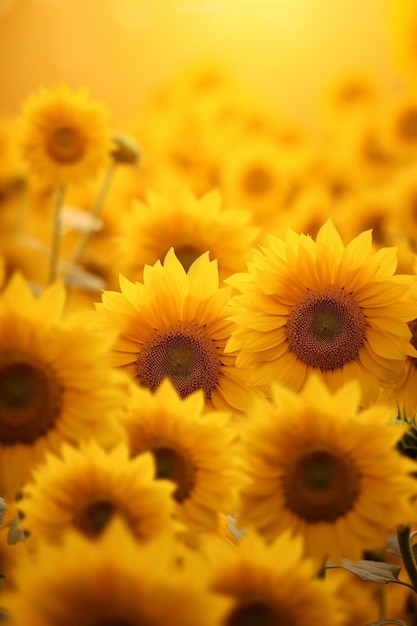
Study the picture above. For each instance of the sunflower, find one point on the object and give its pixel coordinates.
(113, 580)
(175, 324)
(86, 487)
(274, 584)
(195, 451)
(55, 385)
(404, 393)
(325, 470)
(321, 307)
(64, 135)
(191, 226)
(255, 175)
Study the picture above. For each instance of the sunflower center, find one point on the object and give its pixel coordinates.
(30, 399)
(185, 354)
(95, 517)
(66, 145)
(174, 465)
(258, 614)
(187, 255)
(257, 181)
(407, 125)
(321, 485)
(326, 329)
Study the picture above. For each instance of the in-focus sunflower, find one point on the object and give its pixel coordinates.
(175, 325)
(195, 451)
(85, 488)
(64, 135)
(55, 384)
(316, 306)
(114, 581)
(325, 470)
(274, 584)
(191, 226)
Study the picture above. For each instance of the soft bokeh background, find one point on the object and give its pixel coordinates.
(288, 51)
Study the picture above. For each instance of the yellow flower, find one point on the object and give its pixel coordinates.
(404, 394)
(175, 325)
(326, 471)
(195, 451)
(189, 225)
(86, 488)
(113, 580)
(64, 135)
(274, 584)
(321, 307)
(55, 385)
(255, 175)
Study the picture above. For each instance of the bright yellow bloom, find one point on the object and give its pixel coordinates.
(274, 584)
(195, 450)
(191, 226)
(113, 580)
(326, 471)
(64, 135)
(55, 385)
(86, 488)
(175, 325)
(316, 306)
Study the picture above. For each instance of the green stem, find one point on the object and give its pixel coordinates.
(95, 213)
(406, 549)
(56, 234)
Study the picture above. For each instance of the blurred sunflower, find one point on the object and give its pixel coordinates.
(195, 451)
(64, 135)
(191, 226)
(112, 581)
(255, 176)
(317, 306)
(274, 585)
(175, 325)
(85, 488)
(325, 470)
(55, 385)
(400, 127)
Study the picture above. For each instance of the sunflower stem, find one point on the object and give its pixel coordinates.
(382, 602)
(95, 213)
(406, 549)
(56, 234)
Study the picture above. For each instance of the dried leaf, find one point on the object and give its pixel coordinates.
(376, 571)
(79, 278)
(16, 533)
(3, 509)
(79, 221)
(388, 622)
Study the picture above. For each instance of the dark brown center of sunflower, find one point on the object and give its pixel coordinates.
(92, 519)
(120, 621)
(258, 613)
(407, 125)
(30, 399)
(66, 145)
(321, 485)
(186, 255)
(257, 181)
(326, 329)
(175, 465)
(185, 354)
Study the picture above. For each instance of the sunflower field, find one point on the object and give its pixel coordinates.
(208, 343)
